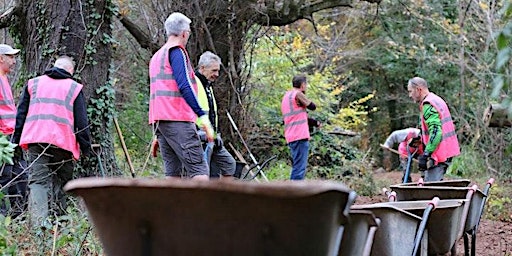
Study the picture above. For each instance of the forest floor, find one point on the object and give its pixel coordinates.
(493, 237)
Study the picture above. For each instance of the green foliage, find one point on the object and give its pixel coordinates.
(6, 150)
(502, 80)
(468, 164)
(499, 203)
(70, 234)
(287, 53)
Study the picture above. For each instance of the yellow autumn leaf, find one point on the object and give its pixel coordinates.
(483, 5)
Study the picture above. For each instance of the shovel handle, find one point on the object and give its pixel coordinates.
(490, 181)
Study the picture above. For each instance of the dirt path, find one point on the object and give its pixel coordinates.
(493, 237)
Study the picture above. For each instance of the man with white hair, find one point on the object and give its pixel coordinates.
(437, 130)
(52, 125)
(221, 162)
(173, 106)
(13, 180)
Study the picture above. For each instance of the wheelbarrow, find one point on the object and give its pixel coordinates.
(359, 233)
(245, 172)
(400, 232)
(190, 217)
(473, 210)
(444, 183)
(443, 224)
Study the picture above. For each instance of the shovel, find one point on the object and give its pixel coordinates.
(410, 156)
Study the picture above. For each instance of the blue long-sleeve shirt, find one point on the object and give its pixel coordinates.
(177, 58)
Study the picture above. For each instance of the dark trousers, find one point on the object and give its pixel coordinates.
(14, 181)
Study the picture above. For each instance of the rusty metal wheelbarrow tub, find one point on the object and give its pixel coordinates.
(188, 217)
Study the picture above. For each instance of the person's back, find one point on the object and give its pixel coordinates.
(52, 126)
(173, 106)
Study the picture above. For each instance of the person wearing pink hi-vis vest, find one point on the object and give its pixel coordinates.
(52, 126)
(13, 178)
(437, 130)
(173, 105)
(296, 125)
(405, 138)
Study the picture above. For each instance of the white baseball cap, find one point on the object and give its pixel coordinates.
(8, 50)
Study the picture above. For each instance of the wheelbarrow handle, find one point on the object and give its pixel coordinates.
(391, 195)
(431, 206)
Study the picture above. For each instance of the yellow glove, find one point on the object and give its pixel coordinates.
(207, 127)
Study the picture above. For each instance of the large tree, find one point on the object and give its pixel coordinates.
(83, 30)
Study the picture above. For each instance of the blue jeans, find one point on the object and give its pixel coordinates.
(300, 151)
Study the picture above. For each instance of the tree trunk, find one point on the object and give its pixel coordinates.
(79, 29)
(497, 115)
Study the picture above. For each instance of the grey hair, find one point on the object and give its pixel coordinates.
(417, 82)
(176, 23)
(207, 58)
(65, 62)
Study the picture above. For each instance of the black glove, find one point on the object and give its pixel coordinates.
(18, 153)
(218, 142)
(423, 160)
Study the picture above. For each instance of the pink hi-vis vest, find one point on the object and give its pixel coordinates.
(295, 118)
(402, 147)
(166, 101)
(7, 107)
(50, 115)
(449, 146)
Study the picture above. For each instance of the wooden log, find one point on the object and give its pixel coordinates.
(496, 115)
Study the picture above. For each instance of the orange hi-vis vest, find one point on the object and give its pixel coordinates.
(166, 101)
(50, 116)
(402, 147)
(295, 118)
(7, 107)
(449, 145)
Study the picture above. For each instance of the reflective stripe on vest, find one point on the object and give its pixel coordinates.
(50, 116)
(449, 145)
(166, 101)
(295, 118)
(7, 107)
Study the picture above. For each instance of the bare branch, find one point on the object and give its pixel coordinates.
(142, 37)
(290, 11)
(6, 18)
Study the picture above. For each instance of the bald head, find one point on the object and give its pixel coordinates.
(66, 63)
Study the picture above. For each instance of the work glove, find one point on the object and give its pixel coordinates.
(218, 142)
(207, 127)
(423, 161)
(18, 153)
(154, 148)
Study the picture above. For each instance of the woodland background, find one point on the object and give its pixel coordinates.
(358, 56)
